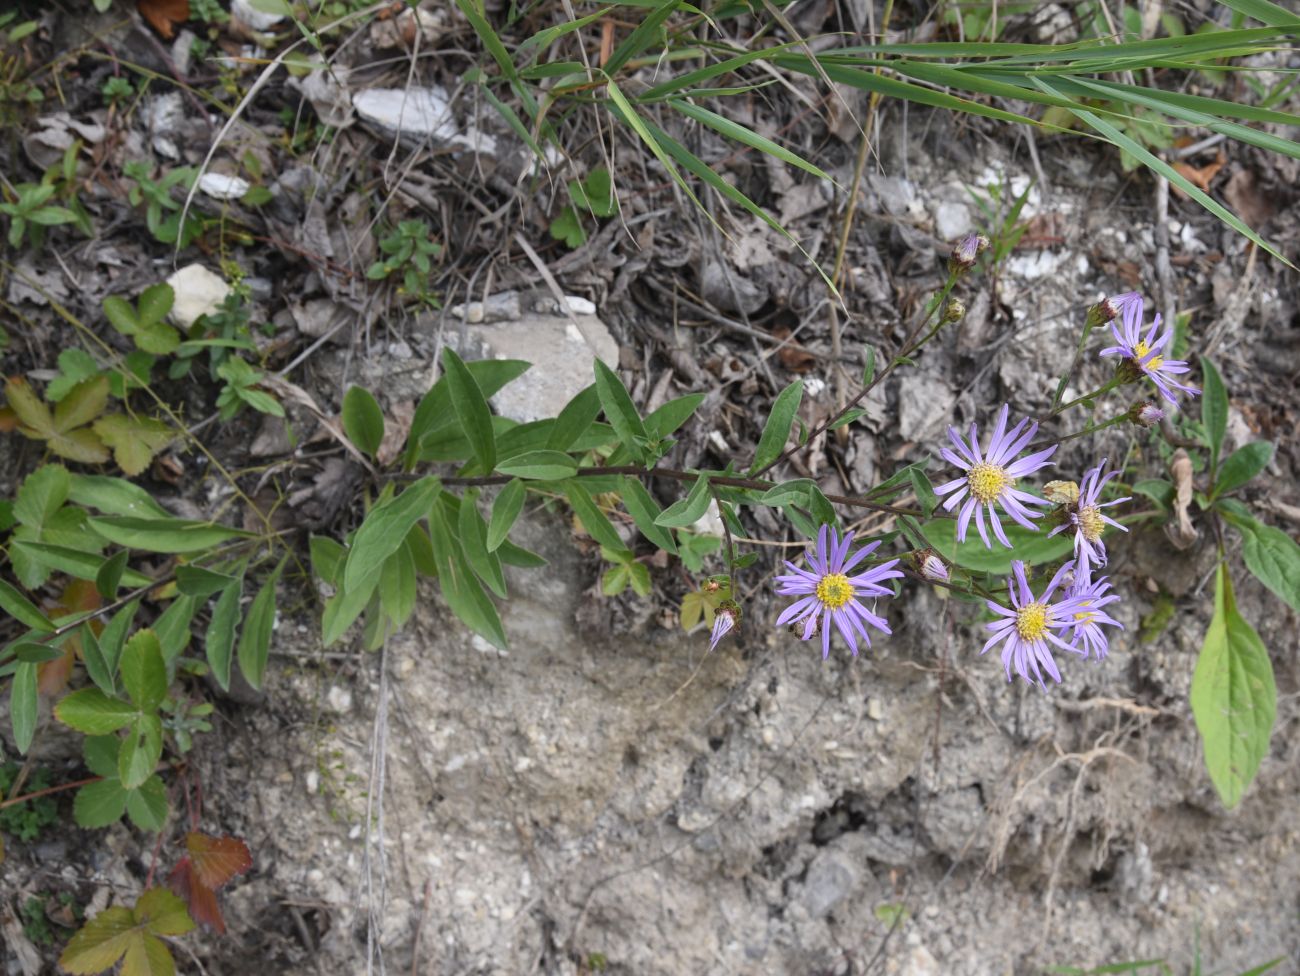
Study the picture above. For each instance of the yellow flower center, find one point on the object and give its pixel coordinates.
(834, 591)
(1086, 615)
(1090, 522)
(1142, 349)
(987, 481)
(1031, 621)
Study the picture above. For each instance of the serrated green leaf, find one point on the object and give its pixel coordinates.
(1234, 699)
(363, 420)
(1241, 466)
(777, 429)
(100, 804)
(147, 806)
(134, 440)
(101, 942)
(141, 751)
(255, 638)
(620, 411)
(82, 404)
(383, 531)
(505, 509)
(94, 713)
(144, 675)
(155, 302)
(471, 408)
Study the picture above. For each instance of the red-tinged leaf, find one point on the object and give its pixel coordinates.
(52, 676)
(164, 15)
(78, 597)
(8, 420)
(217, 859)
(202, 901)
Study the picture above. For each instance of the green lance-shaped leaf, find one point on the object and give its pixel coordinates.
(473, 540)
(687, 511)
(540, 466)
(1242, 465)
(593, 519)
(574, 420)
(219, 642)
(22, 609)
(664, 420)
(255, 639)
(23, 705)
(164, 535)
(505, 510)
(363, 420)
(1269, 553)
(777, 429)
(471, 409)
(383, 531)
(644, 510)
(621, 412)
(1234, 699)
(1214, 409)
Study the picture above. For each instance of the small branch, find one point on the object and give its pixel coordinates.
(48, 790)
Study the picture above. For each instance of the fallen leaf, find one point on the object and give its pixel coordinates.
(1181, 533)
(164, 16)
(400, 416)
(210, 864)
(1200, 176)
(1244, 196)
(793, 356)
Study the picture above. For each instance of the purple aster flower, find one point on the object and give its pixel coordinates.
(724, 619)
(1089, 617)
(1030, 623)
(965, 252)
(1142, 354)
(829, 594)
(1089, 522)
(991, 477)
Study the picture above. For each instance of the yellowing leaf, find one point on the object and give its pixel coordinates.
(100, 943)
(83, 403)
(63, 430)
(134, 440)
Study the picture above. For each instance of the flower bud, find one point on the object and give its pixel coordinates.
(965, 253)
(1061, 492)
(954, 311)
(725, 618)
(714, 584)
(1145, 414)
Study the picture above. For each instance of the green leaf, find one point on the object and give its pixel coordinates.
(620, 411)
(1265, 12)
(94, 713)
(100, 804)
(435, 412)
(644, 510)
(1214, 409)
(141, 751)
(96, 664)
(1234, 699)
(471, 409)
(924, 491)
(687, 511)
(540, 466)
(134, 440)
(777, 429)
(593, 519)
(363, 420)
(574, 420)
(41, 495)
(1034, 548)
(199, 582)
(109, 575)
(101, 942)
(736, 132)
(383, 531)
(513, 555)
(1242, 465)
(144, 675)
(24, 707)
(473, 540)
(1269, 553)
(173, 627)
(165, 535)
(342, 609)
(327, 558)
(219, 641)
(869, 367)
(255, 639)
(397, 587)
(147, 806)
(665, 420)
(505, 510)
(113, 637)
(114, 496)
(121, 315)
(22, 609)
(155, 302)
(460, 588)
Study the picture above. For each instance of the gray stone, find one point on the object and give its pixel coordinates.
(951, 220)
(832, 877)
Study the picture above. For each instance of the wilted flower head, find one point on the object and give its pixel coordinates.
(1142, 354)
(1088, 616)
(991, 477)
(1089, 522)
(1145, 414)
(1030, 624)
(966, 251)
(1109, 309)
(726, 617)
(828, 594)
(954, 311)
(931, 565)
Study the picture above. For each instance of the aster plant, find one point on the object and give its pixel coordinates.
(1089, 521)
(1144, 354)
(1030, 624)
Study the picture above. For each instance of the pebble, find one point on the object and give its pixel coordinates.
(219, 186)
(198, 292)
(339, 699)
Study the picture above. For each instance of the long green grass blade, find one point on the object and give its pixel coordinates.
(1265, 12)
(489, 37)
(737, 132)
(641, 38)
(708, 73)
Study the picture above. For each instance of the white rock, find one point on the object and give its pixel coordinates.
(198, 292)
(339, 699)
(219, 186)
(951, 220)
(423, 112)
(259, 20)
